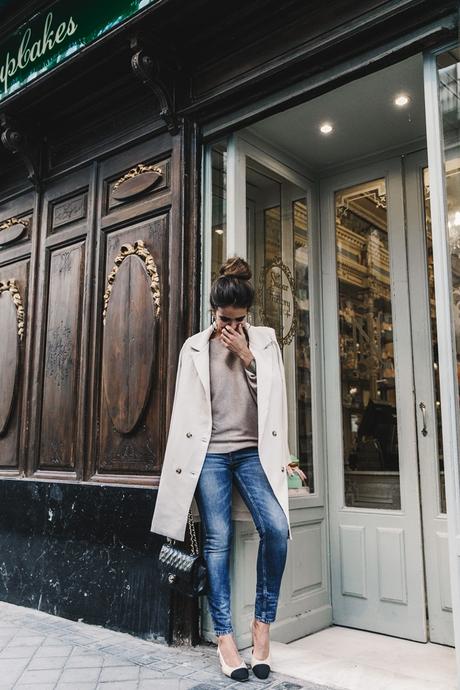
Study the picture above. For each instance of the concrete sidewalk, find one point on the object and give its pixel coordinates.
(44, 652)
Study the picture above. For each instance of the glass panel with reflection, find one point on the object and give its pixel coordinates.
(370, 439)
(449, 96)
(278, 252)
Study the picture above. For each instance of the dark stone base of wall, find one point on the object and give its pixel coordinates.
(83, 552)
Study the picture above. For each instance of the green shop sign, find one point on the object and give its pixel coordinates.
(52, 36)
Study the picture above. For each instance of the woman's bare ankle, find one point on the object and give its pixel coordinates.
(261, 634)
(228, 649)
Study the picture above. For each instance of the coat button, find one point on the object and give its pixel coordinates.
(189, 434)
(178, 470)
(282, 469)
(274, 433)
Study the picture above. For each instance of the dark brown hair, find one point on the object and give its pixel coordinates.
(233, 288)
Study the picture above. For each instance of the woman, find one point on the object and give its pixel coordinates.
(229, 425)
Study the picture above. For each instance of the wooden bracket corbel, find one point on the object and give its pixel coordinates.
(148, 71)
(16, 141)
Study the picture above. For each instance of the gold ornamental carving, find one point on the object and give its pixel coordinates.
(140, 250)
(136, 171)
(7, 224)
(11, 287)
(275, 293)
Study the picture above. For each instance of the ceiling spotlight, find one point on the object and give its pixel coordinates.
(401, 100)
(219, 231)
(326, 128)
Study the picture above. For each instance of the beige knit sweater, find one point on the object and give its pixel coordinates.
(233, 400)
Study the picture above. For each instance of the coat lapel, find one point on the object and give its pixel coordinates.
(258, 342)
(200, 355)
(259, 339)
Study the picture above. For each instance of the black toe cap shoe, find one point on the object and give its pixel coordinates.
(240, 674)
(261, 671)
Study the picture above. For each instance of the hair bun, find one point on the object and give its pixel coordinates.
(236, 267)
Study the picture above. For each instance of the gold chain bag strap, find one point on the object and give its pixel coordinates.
(181, 570)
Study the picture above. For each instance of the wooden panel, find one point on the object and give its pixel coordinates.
(138, 181)
(61, 359)
(9, 355)
(115, 184)
(248, 549)
(442, 549)
(353, 561)
(69, 211)
(12, 362)
(307, 571)
(391, 565)
(15, 229)
(129, 343)
(155, 154)
(131, 337)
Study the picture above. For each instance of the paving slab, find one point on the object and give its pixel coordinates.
(39, 651)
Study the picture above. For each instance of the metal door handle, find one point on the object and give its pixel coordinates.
(423, 409)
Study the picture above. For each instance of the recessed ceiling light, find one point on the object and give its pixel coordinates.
(401, 100)
(326, 128)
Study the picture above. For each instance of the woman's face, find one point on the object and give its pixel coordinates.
(229, 316)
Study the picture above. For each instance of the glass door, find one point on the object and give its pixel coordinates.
(374, 503)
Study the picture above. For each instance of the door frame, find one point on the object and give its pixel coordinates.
(304, 607)
(435, 538)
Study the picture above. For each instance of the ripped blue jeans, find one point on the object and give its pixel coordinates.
(214, 499)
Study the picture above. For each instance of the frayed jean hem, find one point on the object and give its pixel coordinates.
(264, 619)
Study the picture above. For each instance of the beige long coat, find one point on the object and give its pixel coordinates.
(191, 422)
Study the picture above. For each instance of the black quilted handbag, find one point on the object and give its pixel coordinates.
(181, 570)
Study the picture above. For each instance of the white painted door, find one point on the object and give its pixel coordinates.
(427, 396)
(374, 498)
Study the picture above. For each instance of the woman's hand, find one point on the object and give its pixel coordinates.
(235, 341)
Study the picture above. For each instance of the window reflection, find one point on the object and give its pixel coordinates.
(302, 341)
(449, 98)
(366, 348)
(278, 251)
